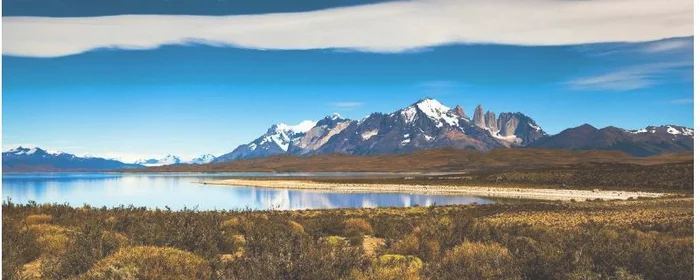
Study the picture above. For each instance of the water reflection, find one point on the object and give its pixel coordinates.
(178, 191)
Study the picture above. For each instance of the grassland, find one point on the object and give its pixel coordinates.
(630, 239)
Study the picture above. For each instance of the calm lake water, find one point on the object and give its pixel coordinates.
(178, 191)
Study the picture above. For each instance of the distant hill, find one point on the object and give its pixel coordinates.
(35, 159)
(435, 160)
(643, 142)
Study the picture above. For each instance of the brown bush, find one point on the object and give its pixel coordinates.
(478, 261)
(359, 225)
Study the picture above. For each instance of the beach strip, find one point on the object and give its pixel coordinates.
(522, 193)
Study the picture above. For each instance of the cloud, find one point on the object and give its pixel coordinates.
(385, 27)
(437, 88)
(682, 101)
(347, 104)
(630, 78)
(669, 46)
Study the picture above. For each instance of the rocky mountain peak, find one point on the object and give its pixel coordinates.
(460, 112)
(479, 117)
(491, 121)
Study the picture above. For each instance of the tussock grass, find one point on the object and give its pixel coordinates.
(149, 262)
(635, 239)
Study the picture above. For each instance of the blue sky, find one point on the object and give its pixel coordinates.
(140, 97)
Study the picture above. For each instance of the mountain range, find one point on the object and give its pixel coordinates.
(429, 124)
(171, 159)
(426, 124)
(35, 159)
(423, 125)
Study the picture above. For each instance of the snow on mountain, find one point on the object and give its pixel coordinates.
(173, 159)
(30, 150)
(23, 159)
(666, 129)
(437, 112)
(203, 159)
(275, 141)
(167, 160)
(434, 110)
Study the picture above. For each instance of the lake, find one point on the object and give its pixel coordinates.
(179, 191)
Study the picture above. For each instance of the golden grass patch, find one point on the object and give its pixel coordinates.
(38, 219)
(148, 262)
(569, 219)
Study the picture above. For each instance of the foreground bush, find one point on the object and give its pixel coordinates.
(392, 267)
(477, 261)
(646, 239)
(149, 262)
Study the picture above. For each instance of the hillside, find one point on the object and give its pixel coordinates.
(435, 160)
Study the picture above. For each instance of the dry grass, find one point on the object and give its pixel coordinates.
(570, 219)
(39, 219)
(635, 239)
(150, 262)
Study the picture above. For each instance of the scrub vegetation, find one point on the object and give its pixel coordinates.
(632, 239)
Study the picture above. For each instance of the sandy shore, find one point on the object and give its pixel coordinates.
(527, 193)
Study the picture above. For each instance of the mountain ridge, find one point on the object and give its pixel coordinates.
(36, 159)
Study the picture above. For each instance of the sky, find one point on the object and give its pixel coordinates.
(142, 79)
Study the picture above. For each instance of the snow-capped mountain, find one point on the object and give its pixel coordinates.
(172, 159)
(422, 125)
(275, 141)
(203, 159)
(319, 134)
(23, 159)
(167, 160)
(648, 141)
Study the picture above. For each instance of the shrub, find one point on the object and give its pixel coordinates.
(149, 262)
(112, 241)
(18, 247)
(38, 219)
(84, 250)
(296, 227)
(409, 245)
(390, 267)
(359, 225)
(477, 261)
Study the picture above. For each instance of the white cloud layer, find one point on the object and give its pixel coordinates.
(347, 104)
(385, 27)
(631, 78)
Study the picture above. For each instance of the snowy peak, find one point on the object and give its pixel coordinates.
(302, 127)
(167, 160)
(23, 151)
(432, 107)
(434, 110)
(203, 159)
(35, 159)
(32, 150)
(173, 159)
(674, 130)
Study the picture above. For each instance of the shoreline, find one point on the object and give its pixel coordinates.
(504, 192)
